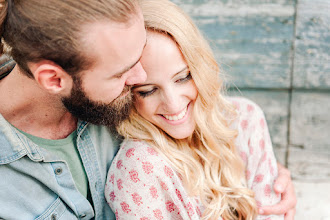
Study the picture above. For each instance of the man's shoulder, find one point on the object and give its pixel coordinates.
(10, 145)
(99, 133)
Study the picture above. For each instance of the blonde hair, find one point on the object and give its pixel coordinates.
(207, 161)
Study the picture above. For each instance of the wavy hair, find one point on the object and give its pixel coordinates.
(207, 161)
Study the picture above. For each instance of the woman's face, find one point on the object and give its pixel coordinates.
(167, 97)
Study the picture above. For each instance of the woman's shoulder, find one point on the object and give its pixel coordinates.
(141, 157)
(138, 149)
(244, 106)
(250, 124)
(249, 116)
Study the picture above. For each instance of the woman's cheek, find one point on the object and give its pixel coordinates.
(141, 105)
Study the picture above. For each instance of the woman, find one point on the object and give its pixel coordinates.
(189, 152)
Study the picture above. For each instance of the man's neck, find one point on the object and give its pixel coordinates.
(31, 109)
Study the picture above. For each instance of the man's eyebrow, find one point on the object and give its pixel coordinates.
(120, 73)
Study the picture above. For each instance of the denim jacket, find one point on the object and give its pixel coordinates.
(35, 184)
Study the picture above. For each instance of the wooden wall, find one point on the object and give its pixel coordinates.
(277, 53)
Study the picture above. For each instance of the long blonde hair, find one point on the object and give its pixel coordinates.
(207, 161)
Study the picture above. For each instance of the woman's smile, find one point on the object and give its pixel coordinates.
(178, 118)
(167, 97)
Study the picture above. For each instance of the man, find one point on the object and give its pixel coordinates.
(74, 59)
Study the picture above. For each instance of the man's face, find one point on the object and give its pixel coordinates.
(97, 112)
(101, 94)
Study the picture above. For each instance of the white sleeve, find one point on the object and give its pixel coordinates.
(142, 185)
(255, 147)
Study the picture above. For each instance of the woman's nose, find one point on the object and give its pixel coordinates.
(171, 101)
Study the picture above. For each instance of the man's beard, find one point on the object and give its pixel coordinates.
(99, 113)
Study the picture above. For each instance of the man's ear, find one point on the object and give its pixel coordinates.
(51, 77)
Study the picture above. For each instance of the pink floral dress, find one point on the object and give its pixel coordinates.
(142, 185)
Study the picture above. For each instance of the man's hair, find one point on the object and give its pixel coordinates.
(36, 30)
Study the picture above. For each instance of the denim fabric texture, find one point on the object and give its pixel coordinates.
(35, 184)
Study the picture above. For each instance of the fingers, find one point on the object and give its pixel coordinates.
(283, 179)
(284, 186)
(278, 209)
(290, 215)
(285, 206)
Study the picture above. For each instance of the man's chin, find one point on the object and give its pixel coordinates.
(101, 115)
(96, 112)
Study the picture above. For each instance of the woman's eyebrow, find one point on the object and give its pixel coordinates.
(184, 69)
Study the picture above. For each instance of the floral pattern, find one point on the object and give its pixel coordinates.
(142, 185)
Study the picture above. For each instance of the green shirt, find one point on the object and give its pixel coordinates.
(66, 150)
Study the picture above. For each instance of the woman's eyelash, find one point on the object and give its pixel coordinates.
(186, 78)
(144, 94)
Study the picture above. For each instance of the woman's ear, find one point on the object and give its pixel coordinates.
(51, 77)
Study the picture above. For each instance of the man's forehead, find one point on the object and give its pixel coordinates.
(119, 45)
(125, 69)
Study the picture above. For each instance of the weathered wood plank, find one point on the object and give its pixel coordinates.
(312, 53)
(310, 120)
(309, 152)
(251, 39)
(309, 164)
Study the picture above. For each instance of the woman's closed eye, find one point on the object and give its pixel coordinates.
(146, 93)
(185, 78)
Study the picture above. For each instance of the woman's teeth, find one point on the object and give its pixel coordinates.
(176, 117)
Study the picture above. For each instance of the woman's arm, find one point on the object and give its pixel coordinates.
(284, 186)
(256, 150)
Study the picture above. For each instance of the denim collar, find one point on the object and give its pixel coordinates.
(14, 145)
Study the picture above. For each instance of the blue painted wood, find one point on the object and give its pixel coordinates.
(310, 120)
(252, 41)
(312, 53)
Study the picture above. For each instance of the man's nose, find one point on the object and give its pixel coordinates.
(136, 75)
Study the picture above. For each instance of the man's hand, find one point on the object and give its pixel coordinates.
(284, 186)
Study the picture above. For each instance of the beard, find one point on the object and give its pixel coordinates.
(96, 112)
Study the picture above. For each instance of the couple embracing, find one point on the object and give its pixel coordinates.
(90, 73)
